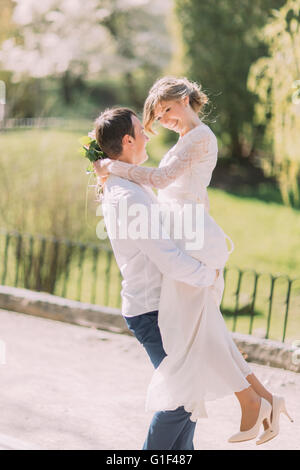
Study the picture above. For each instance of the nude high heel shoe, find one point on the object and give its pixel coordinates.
(278, 406)
(264, 413)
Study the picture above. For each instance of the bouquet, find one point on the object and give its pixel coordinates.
(90, 149)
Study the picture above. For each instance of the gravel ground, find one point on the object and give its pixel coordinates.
(70, 387)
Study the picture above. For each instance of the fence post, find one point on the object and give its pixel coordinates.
(288, 296)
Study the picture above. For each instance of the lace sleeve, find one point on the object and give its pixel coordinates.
(206, 202)
(194, 150)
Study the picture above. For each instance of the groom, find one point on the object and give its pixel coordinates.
(142, 261)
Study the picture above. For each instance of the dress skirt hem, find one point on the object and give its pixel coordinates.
(203, 362)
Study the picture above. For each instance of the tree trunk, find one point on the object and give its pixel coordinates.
(132, 91)
(236, 146)
(67, 88)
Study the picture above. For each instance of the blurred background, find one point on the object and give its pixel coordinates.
(62, 62)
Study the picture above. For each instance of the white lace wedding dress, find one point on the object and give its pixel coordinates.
(202, 363)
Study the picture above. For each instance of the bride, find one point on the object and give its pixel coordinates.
(202, 362)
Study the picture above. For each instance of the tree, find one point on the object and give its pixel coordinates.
(76, 41)
(221, 44)
(142, 41)
(276, 81)
(9, 30)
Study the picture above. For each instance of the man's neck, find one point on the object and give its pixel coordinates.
(126, 158)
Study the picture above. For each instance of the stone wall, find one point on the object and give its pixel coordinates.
(42, 304)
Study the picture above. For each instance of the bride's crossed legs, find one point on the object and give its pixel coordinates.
(250, 402)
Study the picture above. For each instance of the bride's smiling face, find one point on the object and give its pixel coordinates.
(173, 115)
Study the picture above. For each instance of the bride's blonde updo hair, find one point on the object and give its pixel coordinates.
(172, 89)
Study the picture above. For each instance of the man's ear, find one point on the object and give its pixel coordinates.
(126, 139)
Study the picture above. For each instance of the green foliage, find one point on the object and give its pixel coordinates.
(23, 99)
(221, 43)
(90, 149)
(104, 41)
(275, 80)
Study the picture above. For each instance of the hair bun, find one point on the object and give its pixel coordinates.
(172, 88)
(198, 99)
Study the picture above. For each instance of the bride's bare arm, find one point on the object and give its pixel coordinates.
(194, 151)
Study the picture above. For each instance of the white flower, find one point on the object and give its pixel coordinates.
(92, 134)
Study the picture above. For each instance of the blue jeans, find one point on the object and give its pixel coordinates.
(170, 429)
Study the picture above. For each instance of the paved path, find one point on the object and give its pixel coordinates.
(69, 387)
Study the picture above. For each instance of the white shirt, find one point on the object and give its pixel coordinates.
(142, 261)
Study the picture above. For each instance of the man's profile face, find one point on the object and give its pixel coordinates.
(139, 154)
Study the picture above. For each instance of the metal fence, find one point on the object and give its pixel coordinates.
(262, 304)
(44, 123)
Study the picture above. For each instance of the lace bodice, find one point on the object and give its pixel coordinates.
(196, 148)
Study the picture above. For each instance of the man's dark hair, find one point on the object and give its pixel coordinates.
(110, 128)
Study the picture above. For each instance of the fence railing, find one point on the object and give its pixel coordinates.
(262, 304)
(43, 123)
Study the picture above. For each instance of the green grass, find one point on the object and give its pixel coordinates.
(43, 190)
(266, 235)
(43, 183)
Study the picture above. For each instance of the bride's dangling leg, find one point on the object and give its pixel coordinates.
(250, 402)
(261, 391)
(250, 406)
